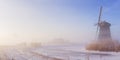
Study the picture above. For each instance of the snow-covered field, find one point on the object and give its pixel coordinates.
(76, 52)
(22, 54)
(69, 52)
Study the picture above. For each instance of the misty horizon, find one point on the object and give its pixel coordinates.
(43, 21)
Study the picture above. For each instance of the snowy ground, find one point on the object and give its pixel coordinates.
(76, 53)
(56, 53)
(20, 54)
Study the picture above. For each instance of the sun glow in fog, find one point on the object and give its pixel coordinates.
(16, 24)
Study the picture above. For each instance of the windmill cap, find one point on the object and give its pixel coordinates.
(104, 23)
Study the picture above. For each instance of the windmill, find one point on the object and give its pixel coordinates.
(104, 41)
(103, 29)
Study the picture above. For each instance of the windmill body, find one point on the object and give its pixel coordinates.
(104, 31)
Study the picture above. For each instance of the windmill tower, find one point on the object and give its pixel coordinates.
(103, 29)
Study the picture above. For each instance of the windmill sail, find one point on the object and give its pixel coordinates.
(99, 19)
(100, 14)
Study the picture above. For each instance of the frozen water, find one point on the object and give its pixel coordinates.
(56, 53)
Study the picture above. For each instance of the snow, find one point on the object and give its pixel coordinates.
(69, 52)
(76, 53)
(19, 54)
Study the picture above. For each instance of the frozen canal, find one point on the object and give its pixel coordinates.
(56, 53)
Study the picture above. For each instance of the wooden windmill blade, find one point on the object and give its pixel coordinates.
(99, 20)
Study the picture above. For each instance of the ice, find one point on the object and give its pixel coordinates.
(69, 52)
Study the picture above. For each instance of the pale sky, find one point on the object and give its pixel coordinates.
(44, 20)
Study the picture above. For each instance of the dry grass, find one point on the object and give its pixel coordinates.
(104, 46)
